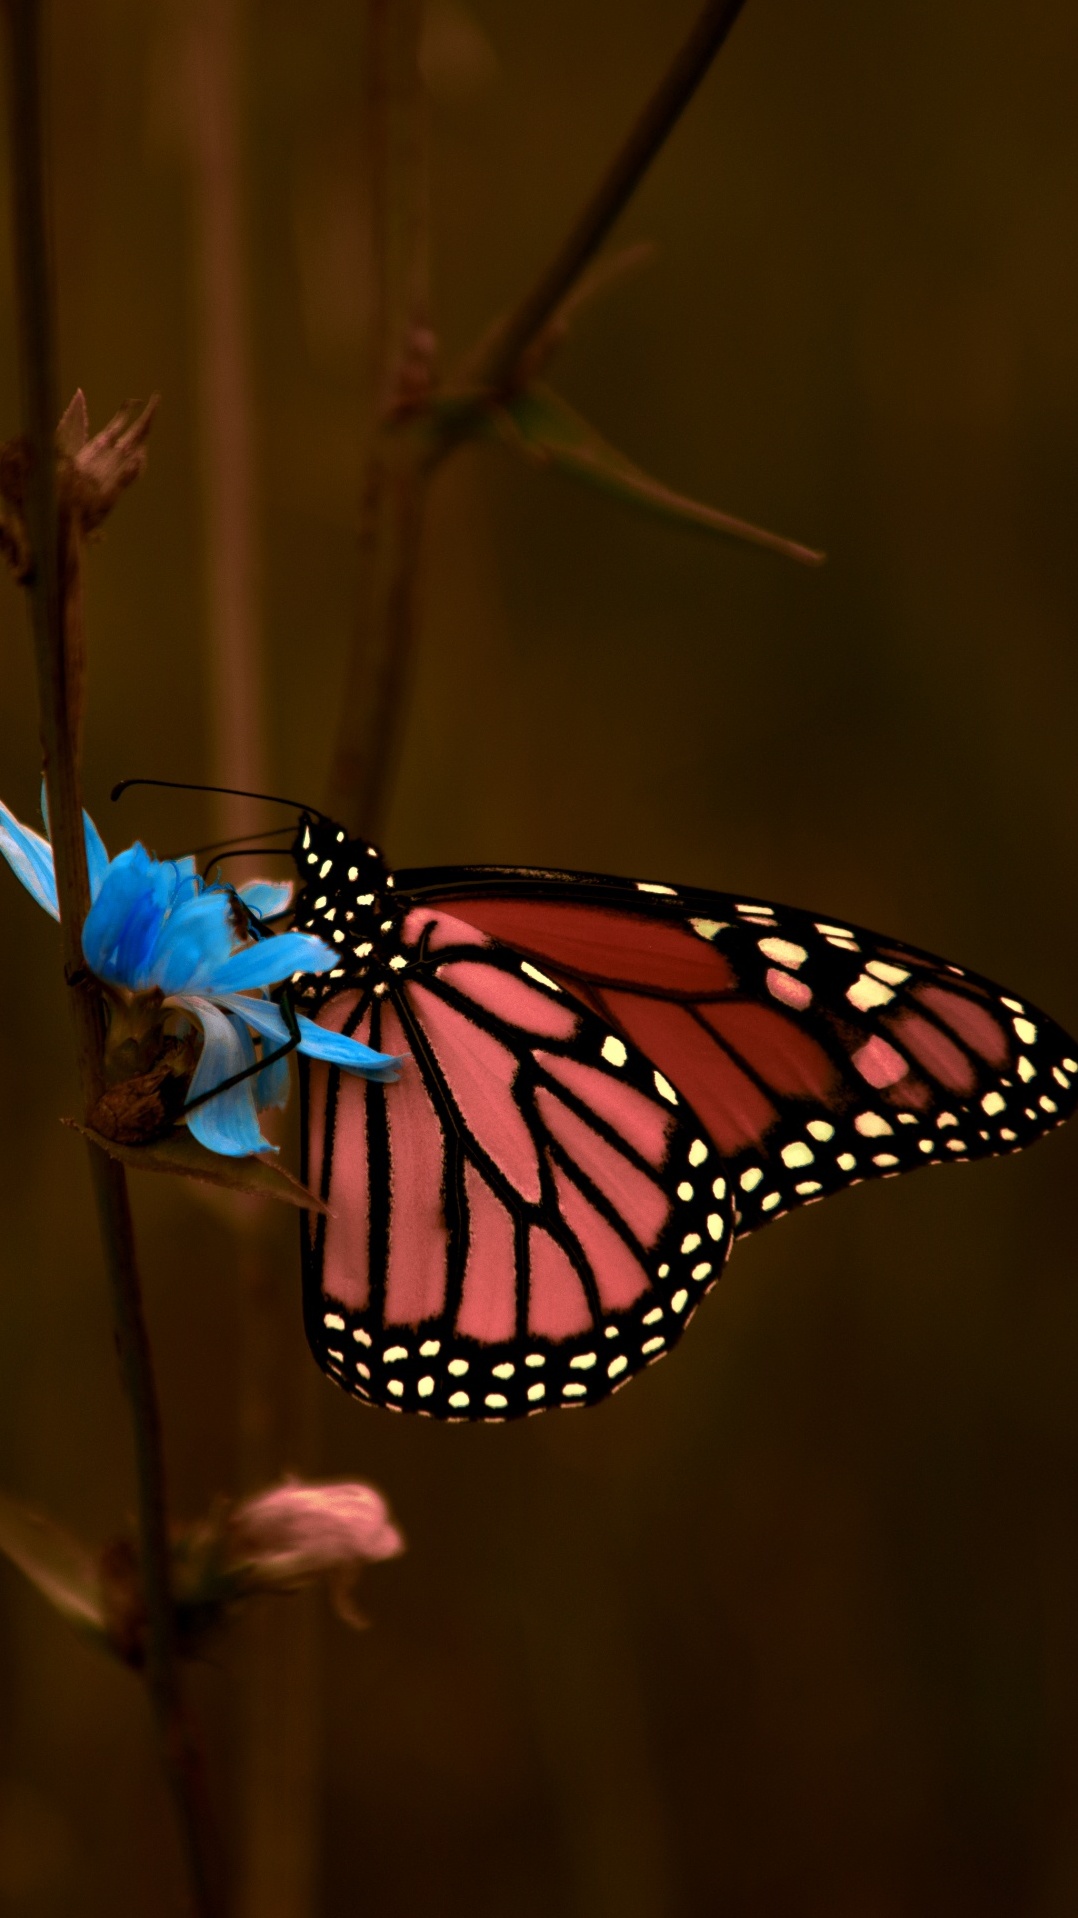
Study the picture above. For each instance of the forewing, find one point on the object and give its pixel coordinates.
(814, 1053)
(526, 1218)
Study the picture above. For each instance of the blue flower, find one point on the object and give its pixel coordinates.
(162, 942)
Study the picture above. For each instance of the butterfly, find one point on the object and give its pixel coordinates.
(604, 1083)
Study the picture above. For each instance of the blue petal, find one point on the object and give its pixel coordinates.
(30, 859)
(97, 858)
(229, 1123)
(273, 1085)
(192, 942)
(267, 897)
(336, 1050)
(269, 961)
(124, 920)
(315, 1041)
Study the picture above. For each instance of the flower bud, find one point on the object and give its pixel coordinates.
(297, 1532)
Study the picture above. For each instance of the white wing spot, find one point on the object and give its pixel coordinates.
(690, 1242)
(535, 1358)
(1026, 1031)
(583, 1362)
(884, 1158)
(653, 1345)
(709, 928)
(797, 1154)
(684, 1190)
(719, 1189)
(715, 1225)
(664, 1089)
(430, 1348)
(701, 1271)
(808, 1185)
(772, 1200)
(533, 972)
(1046, 1104)
(821, 1129)
(397, 1388)
(697, 1152)
(946, 1119)
(652, 1317)
(783, 951)
(679, 1300)
(334, 1321)
(1006, 1133)
(496, 1401)
(574, 1391)
(956, 1145)
(872, 1125)
(614, 1052)
(537, 1391)
(1013, 1005)
(394, 1354)
(752, 1178)
(644, 885)
(992, 1103)
(927, 1145)
(425, 1387)
(891, 975)
(616, 1367)
(845, 1161)
(459, 1401)
(457, 1368)
(866, 993)
(1026, 1071)
(1061, 1078)
(325, 867)
(363, 1337)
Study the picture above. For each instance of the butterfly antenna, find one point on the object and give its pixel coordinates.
(231, 792)
(223, 845)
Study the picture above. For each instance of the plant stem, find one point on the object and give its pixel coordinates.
(408, 444)
(399, 457)
(57, 624)
(497, 363)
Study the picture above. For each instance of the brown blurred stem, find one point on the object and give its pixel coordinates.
(407, 444)
(398, 457)
(55, 597)
(277, 1804)
(497, 364)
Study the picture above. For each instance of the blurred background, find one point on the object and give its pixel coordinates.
(787, 1629)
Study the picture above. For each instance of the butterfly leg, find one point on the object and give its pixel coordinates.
(288, 1014)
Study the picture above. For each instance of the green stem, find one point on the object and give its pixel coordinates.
(56, 613)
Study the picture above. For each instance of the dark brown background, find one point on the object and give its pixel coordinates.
(789, 1628)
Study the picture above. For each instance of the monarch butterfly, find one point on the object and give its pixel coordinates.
(604, 1082)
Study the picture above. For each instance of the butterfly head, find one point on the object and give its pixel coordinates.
(345, 894)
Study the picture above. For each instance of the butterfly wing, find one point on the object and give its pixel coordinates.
(526, 1218)
(814, 1053)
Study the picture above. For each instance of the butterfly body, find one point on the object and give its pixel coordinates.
(604, 1081)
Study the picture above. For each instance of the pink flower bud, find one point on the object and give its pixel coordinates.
(299, 1531)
